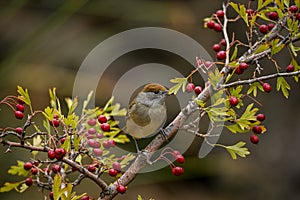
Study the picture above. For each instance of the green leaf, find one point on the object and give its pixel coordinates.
(297, 68)
(238, 150)
(18, 170)
(253, 88)
(72, 120)
(275, 47)
(294, 49)
(23, 188)
(297, 2)
(264, 4)
(279, 3)
(241, 10)
(116, 111)
(234, 54)
(180, 83)
(129, 157)
(284, 86)
(287, 3)
(37, 142)
(72, 105)
(201, 103)
(262, 48)
(11, 186)
(87, 101)
(214, 77)
(48, 113)
(139, 197)
(24, 95)
(54, 101)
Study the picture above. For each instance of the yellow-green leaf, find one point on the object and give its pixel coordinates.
(284, 86)
(18, 170)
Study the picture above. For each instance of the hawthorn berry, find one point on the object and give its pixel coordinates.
(102, 119)
(20, 101)
(243, 66)
(27, 166)
(239, 71)
(250, 12)
(293, 9)
(177, 171)
(233, 101)
(91, 168)
(60, 153)
(34, 171)
(221, 55)
(62, 140)
(99, 135)
(51, 195)
(92, 131)
(220, 13)
(270, 26)
(180, 159)
(92, 122)
(121, 189)
(273, 15)
(112, 172)
(210, 24)
(267, 87)
(260, 117)
(290, 68)
(198, 90)
(51, 154)
(218, 27)
(223, 42)
(19, 130)
(28, 181)
(116, 166)
(263, 29)
(54, 122)
(105, 144)
(98, 152)
(216, 47)
(105, 127)
(19, 114)
(190, 87)
(298, 16)
(111, 143)
(46, 170)
(20, 107)
(56, 169)
(175, 153)
(254, 139)
(257, 129)
(85, 197)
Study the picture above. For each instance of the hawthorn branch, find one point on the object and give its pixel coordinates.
(262, 78)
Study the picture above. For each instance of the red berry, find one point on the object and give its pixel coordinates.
(27, 165)
(56, 168)
(85, 197)
(51, 195)
(293, 9)
(190, 87)
(91, 142)
(20, 101)
(92, 122)
(210, 24)
(243, 66)
(92, 131)
(221, 55)
(220, 13)
(102, 119)
(60, 153)
(105, 127)
(298, 16)
(198, 90)
(111, 143)
(218, 27)
(223, 42)
(54, 122)
(267, 87)
(260, 117)
(91, 168)
(239, 71)
(51, 154)
(257, 129)
(290, 68)
(19, 130)
(177, 171)
(112, 172)
(34, 171)
(270, 26)
(254, 139)
(20, 107)
(46, 170)
(263, 29)
(233, 101)
(105, 144)
(180, 159)
(19, 114)
(98, 152)
(175, 153)
(121, 189)
(116, 166)
(250, 11)
(99, 135)
(216, 47)
(62, 140)
(28, 181)
(273, 15)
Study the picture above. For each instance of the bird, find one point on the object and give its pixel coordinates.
(147, 112)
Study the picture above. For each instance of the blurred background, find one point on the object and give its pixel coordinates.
(44, 42)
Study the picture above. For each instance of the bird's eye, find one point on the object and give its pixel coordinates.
(156, 92)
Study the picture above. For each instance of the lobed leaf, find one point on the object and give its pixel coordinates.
(284, 86)
(180, 83)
